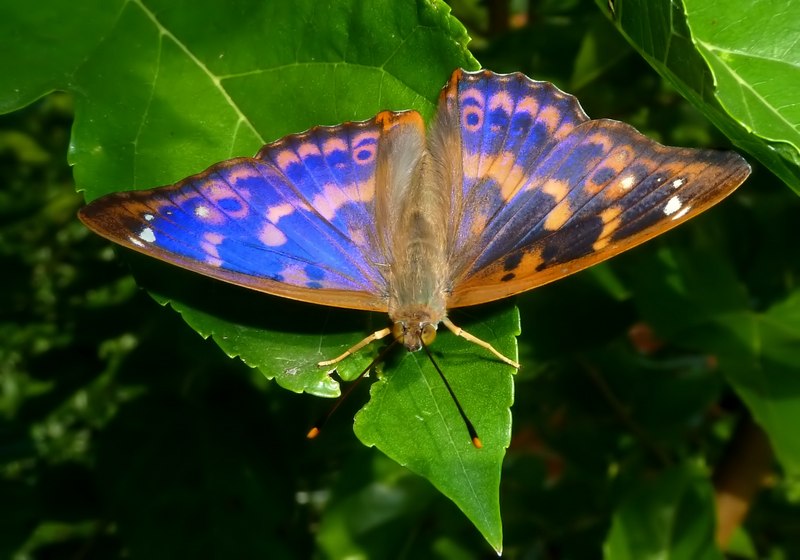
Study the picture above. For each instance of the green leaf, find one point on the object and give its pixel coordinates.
(285, 340)
(45, 45)
(670, 516)
(412, 418)
(751, 51)
(735, 61)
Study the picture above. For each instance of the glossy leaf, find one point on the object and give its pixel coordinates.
(735, 61)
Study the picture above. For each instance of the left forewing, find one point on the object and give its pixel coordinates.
(298, 220)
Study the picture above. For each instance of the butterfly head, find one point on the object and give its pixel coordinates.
(413, 334)
(414, 326)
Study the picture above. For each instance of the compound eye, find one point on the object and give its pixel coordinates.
(398, 330)
(428, 334)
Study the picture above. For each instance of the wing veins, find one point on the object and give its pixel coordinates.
(508, 220)
(332, 227)
(219, 177)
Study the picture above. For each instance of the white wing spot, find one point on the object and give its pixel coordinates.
(149, 217)
(627, 182)
(147, 235)
(677, 183)
(681, 213)
(135, 241)
(673, 205)
(202, 212)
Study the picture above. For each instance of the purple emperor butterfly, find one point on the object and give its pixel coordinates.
(510, 187)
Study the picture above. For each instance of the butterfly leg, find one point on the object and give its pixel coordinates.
(458, 331)
(377, 335)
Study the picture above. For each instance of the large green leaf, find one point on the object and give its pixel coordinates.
(735, 60)
(49, 43)
(164, 89)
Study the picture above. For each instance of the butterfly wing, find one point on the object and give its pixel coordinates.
(549, 195)
(296, 221)
(490, 130)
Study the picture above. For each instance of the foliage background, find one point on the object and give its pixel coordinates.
(124, 433)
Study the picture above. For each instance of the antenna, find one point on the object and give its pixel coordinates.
(473, 434)
(318, 425)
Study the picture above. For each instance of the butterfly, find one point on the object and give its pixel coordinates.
(511, 186)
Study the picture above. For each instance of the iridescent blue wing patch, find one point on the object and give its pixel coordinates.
(297, 220)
